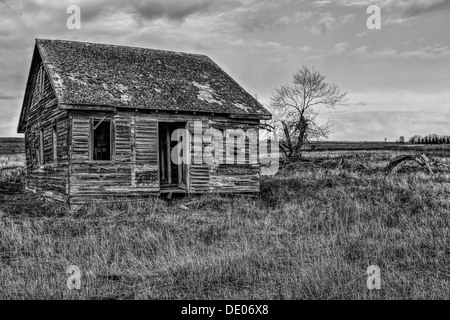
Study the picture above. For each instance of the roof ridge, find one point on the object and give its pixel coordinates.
(125, 46)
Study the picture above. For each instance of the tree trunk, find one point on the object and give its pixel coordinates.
(301, 127)
(290, 151)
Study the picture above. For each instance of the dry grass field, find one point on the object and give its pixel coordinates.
(310, 234)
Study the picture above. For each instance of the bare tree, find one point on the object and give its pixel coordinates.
(295, 108)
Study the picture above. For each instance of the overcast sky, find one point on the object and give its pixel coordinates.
(397, 78)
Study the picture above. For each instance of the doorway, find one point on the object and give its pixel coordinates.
(173, 176)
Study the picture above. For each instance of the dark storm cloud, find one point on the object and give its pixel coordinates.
(394, 8)
(416, 8)
(174, 10)
(147, 10)
(8, 97)
(91, 10)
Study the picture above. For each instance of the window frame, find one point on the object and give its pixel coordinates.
(111, 140)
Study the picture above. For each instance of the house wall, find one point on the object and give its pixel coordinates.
(134, 167)
(215, 177)
(43, 173)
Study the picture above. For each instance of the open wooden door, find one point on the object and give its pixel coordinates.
(184, 141)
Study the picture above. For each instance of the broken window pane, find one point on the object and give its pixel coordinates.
(102, 141)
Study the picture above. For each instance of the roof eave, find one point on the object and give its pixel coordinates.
(28, 87)
(86, 107)
(251, 116)
(109, 108)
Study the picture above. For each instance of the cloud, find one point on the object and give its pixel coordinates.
(362, 34)
(305, 49)
(262, 15)
(8, 97)
(275, 51)
(351, 3)
(419, 7)
(403, 100)
(339, 48)
(428, 53)
(170, 9)
(324, 24)
(394, 11)
(261, 21)
(376, 115)
(373, 125)
(301, 16)
(356, 104)
(347, 18)
(360, 51)
(409, 11)
(259, 42)
(91, 10)
(422, 53)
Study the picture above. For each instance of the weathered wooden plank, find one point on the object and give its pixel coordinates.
(44, 171)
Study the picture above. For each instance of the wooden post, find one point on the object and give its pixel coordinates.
(162, 152)
(168, 158)
(133, 150)
(180, 165)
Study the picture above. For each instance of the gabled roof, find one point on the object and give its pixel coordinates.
(93, 74)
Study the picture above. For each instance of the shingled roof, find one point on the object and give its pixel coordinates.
(96, 74)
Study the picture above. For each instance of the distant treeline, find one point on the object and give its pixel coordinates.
(12, 145)
(430, 139)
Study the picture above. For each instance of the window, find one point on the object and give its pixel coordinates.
(101, 143)
(55, 144)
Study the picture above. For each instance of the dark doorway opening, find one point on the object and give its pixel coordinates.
(173, 175)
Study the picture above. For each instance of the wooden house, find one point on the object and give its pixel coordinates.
(99, 121)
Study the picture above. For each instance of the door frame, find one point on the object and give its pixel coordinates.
(186, 148)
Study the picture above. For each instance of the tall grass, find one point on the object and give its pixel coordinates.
(311, 234)
(12, 161)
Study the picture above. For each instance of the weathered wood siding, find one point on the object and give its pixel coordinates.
(222, 176)
(199, 169)
(237, 176)
(133, 169)
(46, 174)
(134, 166)
(146, 153)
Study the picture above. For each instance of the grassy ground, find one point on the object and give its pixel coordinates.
(379, 146)
(311, 234)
